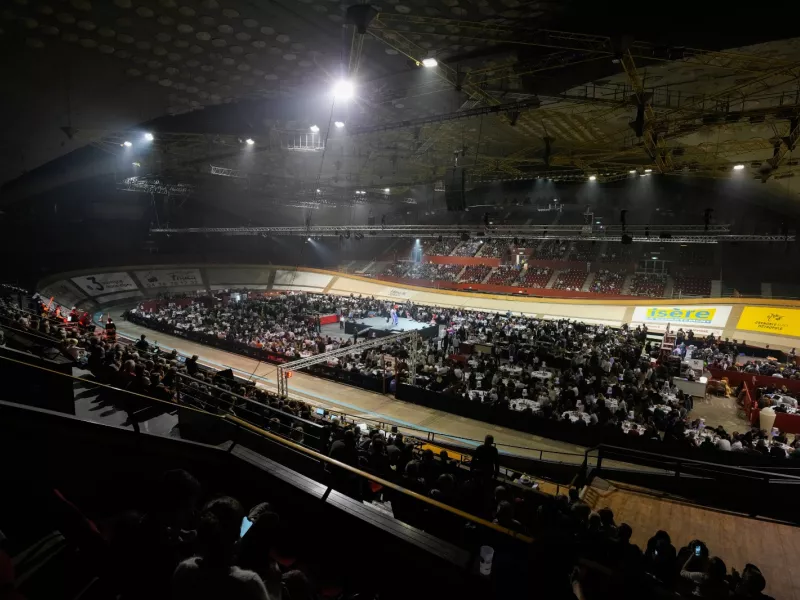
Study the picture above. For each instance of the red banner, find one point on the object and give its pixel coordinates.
(462, 260)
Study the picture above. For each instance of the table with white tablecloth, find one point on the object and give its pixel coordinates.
(574, 415)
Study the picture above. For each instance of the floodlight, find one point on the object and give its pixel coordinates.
(249, 141)
(314, 129)
(592, 177)
(127, 144)
(387, 190)
(339, 124)
(648, 170)
(429, 62)
(148, 137)
(343, 90)
(738, 167)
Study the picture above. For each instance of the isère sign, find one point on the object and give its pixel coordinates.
(713, 316)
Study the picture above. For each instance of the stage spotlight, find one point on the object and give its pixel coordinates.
(648, 170)
(418, 240)
(136, 164)
(319, 191)
(343, 90)
(592, 177)
(309, 239)
(386, 190)
(127, 144)
(738, 167)
(314, 129)
(149, 137)
(429, 62)
(339, 124)
(632, 171)
(249, 141)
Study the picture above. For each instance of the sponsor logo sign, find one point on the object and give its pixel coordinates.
(782, 321)
(170, 278)
(105, 283)
(714, 316)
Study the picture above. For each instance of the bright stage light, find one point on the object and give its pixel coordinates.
(319, 191)
(343, 90)
(148, 137)
(648, 170)
(418, 240)
(309, 239)
(632, 171)
(339, 124)
(127, 144)
(387, 190)
(314, 129)
(249, 141)
(592, 177)
(738, 167)
(429, 62)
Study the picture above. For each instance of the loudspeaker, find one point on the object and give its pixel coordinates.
(454, 184)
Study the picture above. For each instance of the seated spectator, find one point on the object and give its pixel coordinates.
(212, 574)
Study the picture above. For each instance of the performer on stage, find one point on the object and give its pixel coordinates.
(393, 315)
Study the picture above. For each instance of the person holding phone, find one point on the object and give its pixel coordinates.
(707, 574)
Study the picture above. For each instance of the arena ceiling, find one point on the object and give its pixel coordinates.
(521, 90)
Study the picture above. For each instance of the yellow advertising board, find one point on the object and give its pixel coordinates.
(780, 321)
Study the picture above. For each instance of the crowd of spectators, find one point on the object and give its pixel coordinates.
(534, 277)
(433, 272)
(504, 275)
(551, 250)
(441, 247)
(468, 248)
(570, 280)
(648, 284)
(496, 248)
(475, 273)
(607, 282)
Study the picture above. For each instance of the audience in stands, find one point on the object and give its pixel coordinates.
(691, 286)
(504, 275)
(441, 247)
(607, 282)
(496, 248)
(570, 280)
(648, 284)
(468, 248)
(534, 277)
(474, 274)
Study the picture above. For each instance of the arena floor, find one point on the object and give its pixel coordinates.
(387, 409)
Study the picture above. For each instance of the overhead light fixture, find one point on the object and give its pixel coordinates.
(592, 177)
(309, 239)
(648, 170)
(249, 141)
(339, 124)
(387, 190)
(429, 62)
(738, 167)
(136, 164)
(418, 240)
(148, 137)
(127, 144)
(343, 90)
(314, 129)
(632, 171)
(319, 191)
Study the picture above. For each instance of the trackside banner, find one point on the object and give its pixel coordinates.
(705, 316)
(781, 321)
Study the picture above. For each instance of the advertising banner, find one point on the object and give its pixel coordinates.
(763, 319)
(680, 316)
(171, 278)
(105, 283)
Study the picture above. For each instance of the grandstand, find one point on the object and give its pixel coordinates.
(504, 275)
(474, 274)
(648, 284)
(570, 279)
(534, 277)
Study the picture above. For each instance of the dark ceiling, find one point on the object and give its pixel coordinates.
(83, 76)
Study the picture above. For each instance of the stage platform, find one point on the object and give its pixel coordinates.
(381, 324)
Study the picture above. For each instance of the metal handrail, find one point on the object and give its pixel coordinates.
(701, 464)
(314, 454)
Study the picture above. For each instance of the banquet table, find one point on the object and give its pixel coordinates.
(628, 426)
(544, 375)
(573, 416)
